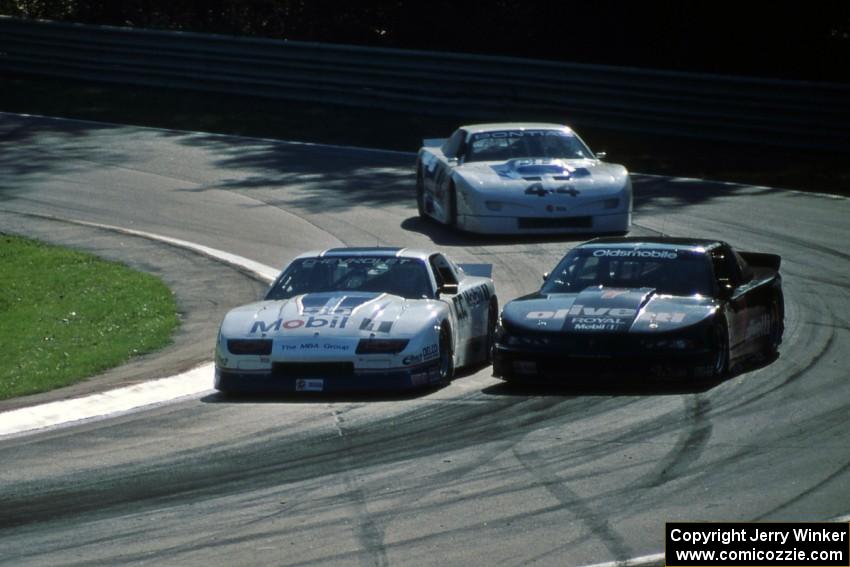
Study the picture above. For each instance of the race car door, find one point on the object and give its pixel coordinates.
(468, 305)
(438, 175)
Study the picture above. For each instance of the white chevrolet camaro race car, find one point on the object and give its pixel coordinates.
(350, 319)
(521, 178)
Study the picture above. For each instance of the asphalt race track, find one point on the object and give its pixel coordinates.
(473, 474)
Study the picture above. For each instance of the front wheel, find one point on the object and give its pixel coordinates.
(720, 367)
(492, 318)
(447, 365)
(452, 210)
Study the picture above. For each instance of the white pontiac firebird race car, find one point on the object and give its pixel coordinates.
(521, 178)
(350, 319)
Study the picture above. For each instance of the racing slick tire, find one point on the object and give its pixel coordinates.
(720, 365)
(452, 212)
(777, 329)
(420, 195)
(447, 364)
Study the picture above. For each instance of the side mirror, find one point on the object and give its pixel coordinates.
(601, 155)
(448, 289)
(545, 276)
(725, 289)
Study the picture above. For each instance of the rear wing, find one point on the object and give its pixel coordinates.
(477, 270)
(433, 142)
(761, 260)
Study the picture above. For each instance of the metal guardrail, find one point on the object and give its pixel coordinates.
(794, 114)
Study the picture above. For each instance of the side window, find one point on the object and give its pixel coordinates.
(443, 271)
(454, 145)
(726, 269)
(743, 268)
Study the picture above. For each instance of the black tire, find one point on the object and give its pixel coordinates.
(420, 195)
(447, 366)
(777, 329)
(720, 366)
(452, 212)
(492, 317)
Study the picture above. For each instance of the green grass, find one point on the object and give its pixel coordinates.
(66, 315)
(323, 123)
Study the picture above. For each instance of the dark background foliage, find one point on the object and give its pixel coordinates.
(796, 40)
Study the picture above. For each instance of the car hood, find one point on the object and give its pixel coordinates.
(556, 172)
(330, 314)
(601, 309)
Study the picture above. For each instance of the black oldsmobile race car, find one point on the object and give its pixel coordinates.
(665, 307)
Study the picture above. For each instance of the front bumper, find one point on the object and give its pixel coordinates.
(265, 381)
(567, 367)
(575, 224)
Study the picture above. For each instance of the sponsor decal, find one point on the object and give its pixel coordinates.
(578, 310)
(430, 351)
(540, 191)
(336, 305)
(470, 298)
(508, 134)
(260, 326)
(378, 327)
(597, 323)
(536, 189)
(294, 345)
(313, 322)
(620, 253)
(412, 359)
(583, 318)
(309, 385)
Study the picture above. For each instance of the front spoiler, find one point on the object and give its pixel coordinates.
(255, 382)
(562, 368)
(601, 223)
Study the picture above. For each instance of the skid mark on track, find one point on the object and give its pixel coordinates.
(370, 536)
(844, 469)
(597, 523)
(690, 445)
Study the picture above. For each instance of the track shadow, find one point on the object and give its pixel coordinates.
(330, 178)
(314, 397)
(609, 388)
(629, 385)
(443, 235)
(313, 178)
(32, 149)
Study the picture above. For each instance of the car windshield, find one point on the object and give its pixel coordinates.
(406, 277)
(672, 272)
(502, 145)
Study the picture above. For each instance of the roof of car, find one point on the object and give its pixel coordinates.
(381, 251)
(664, 242)
(476, 128)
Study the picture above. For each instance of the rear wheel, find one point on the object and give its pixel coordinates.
(720, 367)
(451, 214)
(420, 194)
(447, 365)
(775, 332)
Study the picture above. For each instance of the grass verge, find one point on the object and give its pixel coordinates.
(67, 315)
(322, 123)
